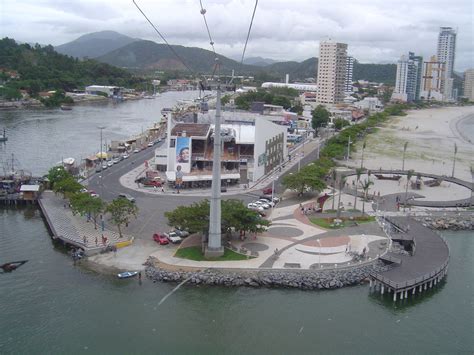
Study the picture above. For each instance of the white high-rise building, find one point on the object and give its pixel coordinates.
(332, 66)
(446, 54)
(469, 84)
(349, 71)
(407, 84)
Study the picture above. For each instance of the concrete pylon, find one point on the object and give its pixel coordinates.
(214, 247)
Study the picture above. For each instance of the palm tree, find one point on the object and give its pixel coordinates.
(454, 158)
(404, 151)
(365, 187)
(334, 176)
(409, 176)
(342, 182)
(358, 173)
(362, 160)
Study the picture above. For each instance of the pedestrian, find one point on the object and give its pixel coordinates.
(162, 188)
(301, 208)
(85, 240)
(105, 240)
(96, 241)
(154, 188)
(139, 275)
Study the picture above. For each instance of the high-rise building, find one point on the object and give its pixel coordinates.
(349, 71)
(407, 84)
(469, 84)
(433, 79)
(446, 54)
(332, 66)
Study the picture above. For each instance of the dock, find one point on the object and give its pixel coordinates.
(422, 264)
(71, 230)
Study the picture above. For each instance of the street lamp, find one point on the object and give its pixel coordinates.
(273, 193)
(100, 159)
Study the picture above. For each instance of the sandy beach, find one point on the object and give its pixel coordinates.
(431, 135)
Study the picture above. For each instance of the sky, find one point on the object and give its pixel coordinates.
(376, 31)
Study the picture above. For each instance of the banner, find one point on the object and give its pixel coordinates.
(183, 153)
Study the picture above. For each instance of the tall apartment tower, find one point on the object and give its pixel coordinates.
(469, 84)
(408, 80)
(349, 71)
(331, 72)
(446, 54)
(432, 79)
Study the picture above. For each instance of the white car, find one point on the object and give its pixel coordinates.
(125, 156)
(104, 166)
(150, 144)
(262, 204)
(272, 204)
(116, 160)
(136, 150)
(110, 163)
(255, 207)
(173, 237)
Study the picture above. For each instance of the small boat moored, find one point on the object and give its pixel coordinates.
(127, 274)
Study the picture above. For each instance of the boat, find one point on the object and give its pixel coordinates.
(127, 274)
(3, 137)
(12, 265)
(66, 108)
(383, 177)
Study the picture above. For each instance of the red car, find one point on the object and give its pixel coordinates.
(267, 191)
(160, 239)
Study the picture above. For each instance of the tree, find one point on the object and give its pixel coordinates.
(121, 212)
(56, 174)
(234, 216)
(365, 187)
(309, 178)
(342, 182)
(67, 186)
(410, 173)
(84, 203)
(358, 174)
(340, 123)
(320, 117)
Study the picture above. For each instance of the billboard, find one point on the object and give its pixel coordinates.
(183, 153)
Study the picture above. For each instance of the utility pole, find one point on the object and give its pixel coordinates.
(100, 159)
(349, 148)
(214, 247)
(404, 151)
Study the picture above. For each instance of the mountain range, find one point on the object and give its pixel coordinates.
(130, 53)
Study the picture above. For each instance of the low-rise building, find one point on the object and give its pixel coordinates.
(110, 91)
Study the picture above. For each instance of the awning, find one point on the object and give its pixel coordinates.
(102, 155)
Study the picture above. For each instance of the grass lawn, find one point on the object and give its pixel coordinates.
(328, 223)
(194, 253)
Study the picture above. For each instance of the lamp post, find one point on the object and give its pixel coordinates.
(349, 148)
(404, 151)
(100, 159)
(273, 193)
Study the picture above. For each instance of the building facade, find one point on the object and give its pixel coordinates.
(469, 84)
(446, 54)
(432, 80)
(349, 72)
(407, 84)
(332, 66)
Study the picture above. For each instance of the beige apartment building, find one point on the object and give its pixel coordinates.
(469, 84)
(332, 66)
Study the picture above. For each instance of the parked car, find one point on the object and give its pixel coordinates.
(153, 182)
(110, 163)
(125, 156)
(262, 204)
(104, 166)
(181, 232)
(93, 193)
(150, 144)
(255, 207)
(160, 239)
(116, 160)
(173, 237)
(127, 196)
(269, 198)
(271, 203)
(136, 150)
(267, 191)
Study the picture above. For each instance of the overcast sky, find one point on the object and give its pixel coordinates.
(377, 31)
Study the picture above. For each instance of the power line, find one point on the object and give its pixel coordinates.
(163, 38)
(203, 13)
(248, 36)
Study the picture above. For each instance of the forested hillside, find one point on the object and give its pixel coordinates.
(42, 68)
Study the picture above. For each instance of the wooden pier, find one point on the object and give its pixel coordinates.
(422, 264)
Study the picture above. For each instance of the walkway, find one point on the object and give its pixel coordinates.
(72, 229)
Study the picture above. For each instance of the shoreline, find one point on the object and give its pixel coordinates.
(459, 122)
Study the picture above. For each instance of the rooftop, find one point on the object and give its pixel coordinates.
(191, 129)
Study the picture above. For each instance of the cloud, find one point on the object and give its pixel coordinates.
(375, 30)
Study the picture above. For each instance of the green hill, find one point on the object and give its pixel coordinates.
(42, 68)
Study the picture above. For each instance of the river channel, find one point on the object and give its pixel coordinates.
(51, 306)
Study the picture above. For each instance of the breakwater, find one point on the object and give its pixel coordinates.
(305, 280)
(448, 223)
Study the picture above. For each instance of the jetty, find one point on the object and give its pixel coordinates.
(421, 263)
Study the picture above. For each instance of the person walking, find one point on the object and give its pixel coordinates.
(85, 240)
(96, 241)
